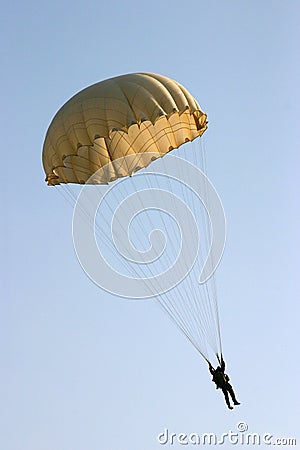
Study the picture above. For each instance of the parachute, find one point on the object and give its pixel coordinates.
(114, 129)
(126, 115)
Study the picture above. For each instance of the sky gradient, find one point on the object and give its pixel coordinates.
(82, 369)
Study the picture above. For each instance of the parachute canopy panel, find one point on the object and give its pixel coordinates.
(118, 126)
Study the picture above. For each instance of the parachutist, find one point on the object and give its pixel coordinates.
(221, 379)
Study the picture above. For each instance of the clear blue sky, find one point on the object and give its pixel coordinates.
(81, 369)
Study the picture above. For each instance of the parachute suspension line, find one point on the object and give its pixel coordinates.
(125, 262)
(86, 215)
(191, 316)
(66, 192)
(205, 287)
(202, 307)
(170, 308)
(214, 285)
(201, 310)
(189, 307)
(66, 195)
(213, 278)
(178, 300)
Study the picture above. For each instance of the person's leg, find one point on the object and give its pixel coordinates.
(226, 398)
(232, 394)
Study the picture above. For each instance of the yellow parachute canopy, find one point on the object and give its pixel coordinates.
(119, 125)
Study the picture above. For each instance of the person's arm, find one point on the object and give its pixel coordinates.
(222, 364)
(211, 369)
